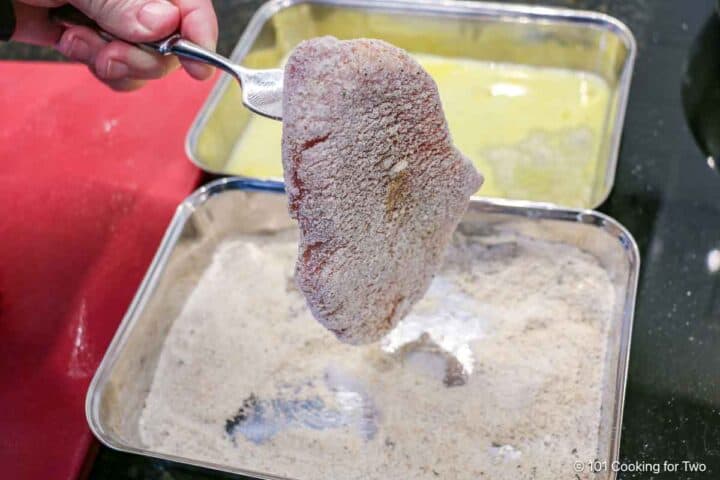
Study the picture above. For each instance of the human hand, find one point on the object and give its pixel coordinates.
(117, 63)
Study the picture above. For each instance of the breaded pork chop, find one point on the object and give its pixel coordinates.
(373, 180)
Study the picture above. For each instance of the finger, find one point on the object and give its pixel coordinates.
(121, 85)
(84, 45)
(198, 24)
(125, 84)
(32, 25)
(118, 60)
(114, 60)
(133, 20)
(81, 44)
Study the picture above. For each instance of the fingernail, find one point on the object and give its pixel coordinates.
(155, 15)
(116, 69)
(79, 50)
(73, 47)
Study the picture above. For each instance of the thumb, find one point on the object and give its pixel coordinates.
(133, 20)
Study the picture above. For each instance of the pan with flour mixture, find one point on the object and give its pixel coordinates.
(496, 373)
(512, 364)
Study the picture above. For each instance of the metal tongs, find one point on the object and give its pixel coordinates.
(261, 89)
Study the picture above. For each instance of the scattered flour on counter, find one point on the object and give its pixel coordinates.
(495, 374)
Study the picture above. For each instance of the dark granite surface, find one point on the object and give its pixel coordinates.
(669, 198)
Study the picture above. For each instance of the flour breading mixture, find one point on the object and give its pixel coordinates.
(373, 179)
(496, 373)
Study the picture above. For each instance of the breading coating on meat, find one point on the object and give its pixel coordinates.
(373, 180)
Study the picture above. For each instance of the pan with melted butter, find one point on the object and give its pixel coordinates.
(534, 132)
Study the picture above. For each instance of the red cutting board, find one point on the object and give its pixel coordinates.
(89, 180)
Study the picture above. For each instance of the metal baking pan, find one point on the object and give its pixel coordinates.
(575, 40)
(232, 206)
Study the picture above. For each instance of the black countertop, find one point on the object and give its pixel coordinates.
(669, 199)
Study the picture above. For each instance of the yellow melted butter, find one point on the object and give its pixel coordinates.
(535, 133)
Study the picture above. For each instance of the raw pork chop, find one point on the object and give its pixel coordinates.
(373, 180)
